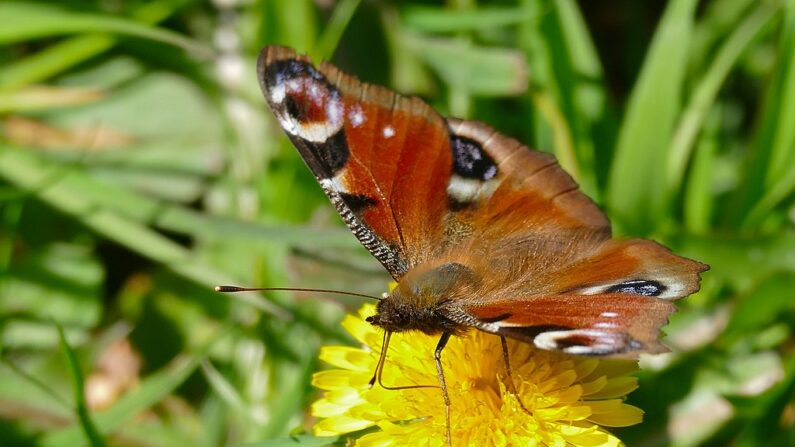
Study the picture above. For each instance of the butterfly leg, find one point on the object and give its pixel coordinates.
(509, 382)
(379, 370)
(437, 356)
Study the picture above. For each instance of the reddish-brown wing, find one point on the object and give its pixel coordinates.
(382, 159)
(612, 324)
(588, 297)
(528, 192)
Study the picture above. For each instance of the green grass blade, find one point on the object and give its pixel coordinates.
(214, 416)
(444, 20)
(150, 391)
(637, 177)
(295, 23)
(43, 386)
(706, 90)
(408, 73)
(25, 21)
(560, 131)
(10, 214)
(479, 71)
(53, 59)
(291, 395)
(86, 423)
(72, 51)
(717, 20)
(764, 411)
(698, 206)
(149, 211)
(589, 91)
(335, 27)
(222, 388)
(742, 261)
(29, 173)
(771, 174)
(770, 301)
(773, 196)
(565, 74)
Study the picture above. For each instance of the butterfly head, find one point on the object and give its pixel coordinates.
(423, 300)
(397, 315)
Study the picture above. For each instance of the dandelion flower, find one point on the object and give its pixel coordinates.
(569, 399)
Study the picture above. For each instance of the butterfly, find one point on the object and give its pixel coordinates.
(477, 230)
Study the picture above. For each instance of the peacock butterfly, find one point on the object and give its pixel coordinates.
(478, 230)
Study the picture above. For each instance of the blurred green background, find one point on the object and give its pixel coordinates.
(139, 167)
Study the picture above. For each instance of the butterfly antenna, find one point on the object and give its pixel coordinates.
(232, 289)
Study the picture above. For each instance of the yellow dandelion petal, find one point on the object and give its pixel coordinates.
(340, 424)
(589, 437)
(586, 366)
(335, 403)
(614, 368)
(378, 439)
(326, 408)
(614, 413)
(593, 387)
(568, 400)
(348, 358)
(339, 378)
(616, 387)
(363, 332)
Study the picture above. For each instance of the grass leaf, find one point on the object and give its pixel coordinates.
(479, 71)
(698, 204)
(86, 424)
(343, 12)
(565, 74)
(761, 308)
(705, 92)
(770, 175)
(67, 53)
(440, 20)
(25, 21)
(152, 390)
(34, 175)
(637, 178)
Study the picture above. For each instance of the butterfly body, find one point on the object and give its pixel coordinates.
(478, 231)
(427, 300)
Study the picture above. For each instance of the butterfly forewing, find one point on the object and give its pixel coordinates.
(382, 159)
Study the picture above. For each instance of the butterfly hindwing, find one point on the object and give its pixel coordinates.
(608, 300)
(528, 189)
(612, 324)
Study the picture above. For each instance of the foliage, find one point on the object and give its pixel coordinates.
(139, 168)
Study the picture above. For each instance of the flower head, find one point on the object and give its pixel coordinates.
(569, 399)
